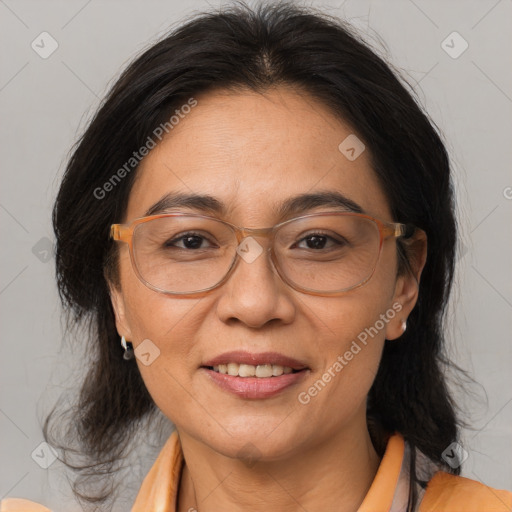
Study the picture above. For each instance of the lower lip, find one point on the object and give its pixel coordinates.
(255, 387)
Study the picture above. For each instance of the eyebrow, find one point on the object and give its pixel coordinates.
(293, 205)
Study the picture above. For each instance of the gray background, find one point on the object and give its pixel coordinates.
(45, 104)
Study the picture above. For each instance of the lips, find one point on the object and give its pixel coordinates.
(264, 358)
(254, 376)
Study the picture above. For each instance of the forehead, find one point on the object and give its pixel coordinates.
(253, 151)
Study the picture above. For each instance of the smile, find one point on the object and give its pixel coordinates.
(249, 370)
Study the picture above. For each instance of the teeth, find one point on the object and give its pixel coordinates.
(263, 370)
(246, 370)
(277, 370)
(233, 369)
(249, 370)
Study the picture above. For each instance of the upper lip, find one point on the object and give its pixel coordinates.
(242, 357)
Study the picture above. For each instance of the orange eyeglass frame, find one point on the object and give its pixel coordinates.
(124, 233)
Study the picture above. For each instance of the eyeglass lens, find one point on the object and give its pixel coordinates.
(186, 254)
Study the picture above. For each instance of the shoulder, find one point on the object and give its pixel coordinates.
(21, 505)
(451, 493)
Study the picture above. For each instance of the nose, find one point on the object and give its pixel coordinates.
(254, 293)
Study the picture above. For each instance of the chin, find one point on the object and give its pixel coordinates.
(261, 440)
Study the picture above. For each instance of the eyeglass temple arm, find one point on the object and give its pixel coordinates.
(399, 230)
(121, 233)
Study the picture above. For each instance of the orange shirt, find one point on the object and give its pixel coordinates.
(388, 492)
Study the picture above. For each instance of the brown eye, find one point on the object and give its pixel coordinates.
(188, 241)
(318, 241)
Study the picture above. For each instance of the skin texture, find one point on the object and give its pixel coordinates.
(252, 151)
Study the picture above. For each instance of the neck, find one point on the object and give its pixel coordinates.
(332, 475)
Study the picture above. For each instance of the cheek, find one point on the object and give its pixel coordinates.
(361, 314)
(163, 330)
(354, 332)
(170, 324)
(351, 335)
(151, 314)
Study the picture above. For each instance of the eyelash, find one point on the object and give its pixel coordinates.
(168, 243)
(175, 240)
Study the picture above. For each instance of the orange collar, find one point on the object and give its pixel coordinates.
(159, 489)
(389, 491)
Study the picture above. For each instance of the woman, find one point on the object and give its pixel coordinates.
(258, 225)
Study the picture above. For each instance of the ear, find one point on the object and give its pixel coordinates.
(117, 299)
(407, 284)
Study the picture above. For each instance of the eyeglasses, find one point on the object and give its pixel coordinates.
(319, 254)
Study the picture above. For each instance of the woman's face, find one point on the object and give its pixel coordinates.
(252, 152)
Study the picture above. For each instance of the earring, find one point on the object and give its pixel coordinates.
(128, 349)
(404, 326)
